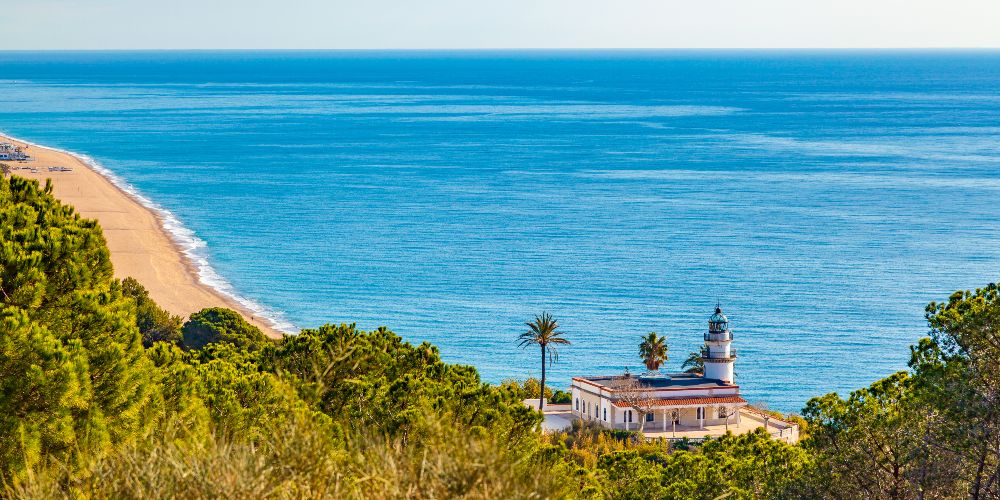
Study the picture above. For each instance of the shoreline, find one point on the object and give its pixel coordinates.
(137, 234)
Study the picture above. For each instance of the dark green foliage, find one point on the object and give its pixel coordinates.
(155, 324)
(72, 366)
(749, 466)
(244, 402)
(929, 433)
(561, 398)
(958, 375)
(874, 444)
(376, 381)
(218, 324)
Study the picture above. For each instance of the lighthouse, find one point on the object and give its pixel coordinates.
(717, 355)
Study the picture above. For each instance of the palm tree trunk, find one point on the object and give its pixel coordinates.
(541, 392)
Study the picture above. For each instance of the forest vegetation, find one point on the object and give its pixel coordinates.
(104, 394)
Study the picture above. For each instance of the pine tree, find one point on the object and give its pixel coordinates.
(78, 378)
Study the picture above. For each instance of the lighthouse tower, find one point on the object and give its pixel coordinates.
(717, 355)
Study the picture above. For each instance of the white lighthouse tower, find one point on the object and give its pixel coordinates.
(717, 355)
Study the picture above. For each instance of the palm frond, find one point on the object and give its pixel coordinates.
(544, 332)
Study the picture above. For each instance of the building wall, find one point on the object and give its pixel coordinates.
(591, 406)
(687, 417)
(593, 401)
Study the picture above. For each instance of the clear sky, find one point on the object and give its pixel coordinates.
(352, 24)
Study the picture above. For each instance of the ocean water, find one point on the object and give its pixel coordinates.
(824, 198)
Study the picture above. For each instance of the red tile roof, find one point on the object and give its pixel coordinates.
(690, 401)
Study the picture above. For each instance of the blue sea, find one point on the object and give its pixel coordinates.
(823, 198)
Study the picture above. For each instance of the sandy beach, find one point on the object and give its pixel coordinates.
(139, 245)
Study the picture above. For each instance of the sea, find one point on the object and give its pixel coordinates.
(822, 198)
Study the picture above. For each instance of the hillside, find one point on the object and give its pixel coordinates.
(105, 394)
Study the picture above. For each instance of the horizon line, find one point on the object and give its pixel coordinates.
(513, 49)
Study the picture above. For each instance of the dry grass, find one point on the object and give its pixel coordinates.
(450, 466)
(302, 463)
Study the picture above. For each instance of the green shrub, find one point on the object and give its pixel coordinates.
(155, 324)
(220, 325)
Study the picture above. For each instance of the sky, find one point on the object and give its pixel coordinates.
(472, 24)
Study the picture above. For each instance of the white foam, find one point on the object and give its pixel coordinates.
(193, 247)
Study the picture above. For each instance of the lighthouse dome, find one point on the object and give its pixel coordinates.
(718, 317)
(718, 322)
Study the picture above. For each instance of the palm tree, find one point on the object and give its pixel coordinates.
(694, 364)
(653, 351)
(543, 333)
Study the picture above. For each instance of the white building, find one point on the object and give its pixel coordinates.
(678, 401)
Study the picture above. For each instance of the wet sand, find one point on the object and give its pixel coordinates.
(140, 246)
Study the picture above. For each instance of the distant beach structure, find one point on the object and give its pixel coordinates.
(11, 152)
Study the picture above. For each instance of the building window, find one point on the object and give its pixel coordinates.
(628, 416)
(701, 412)
(605, 414)
(723, 412)
(649, 417)
(577, 404)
